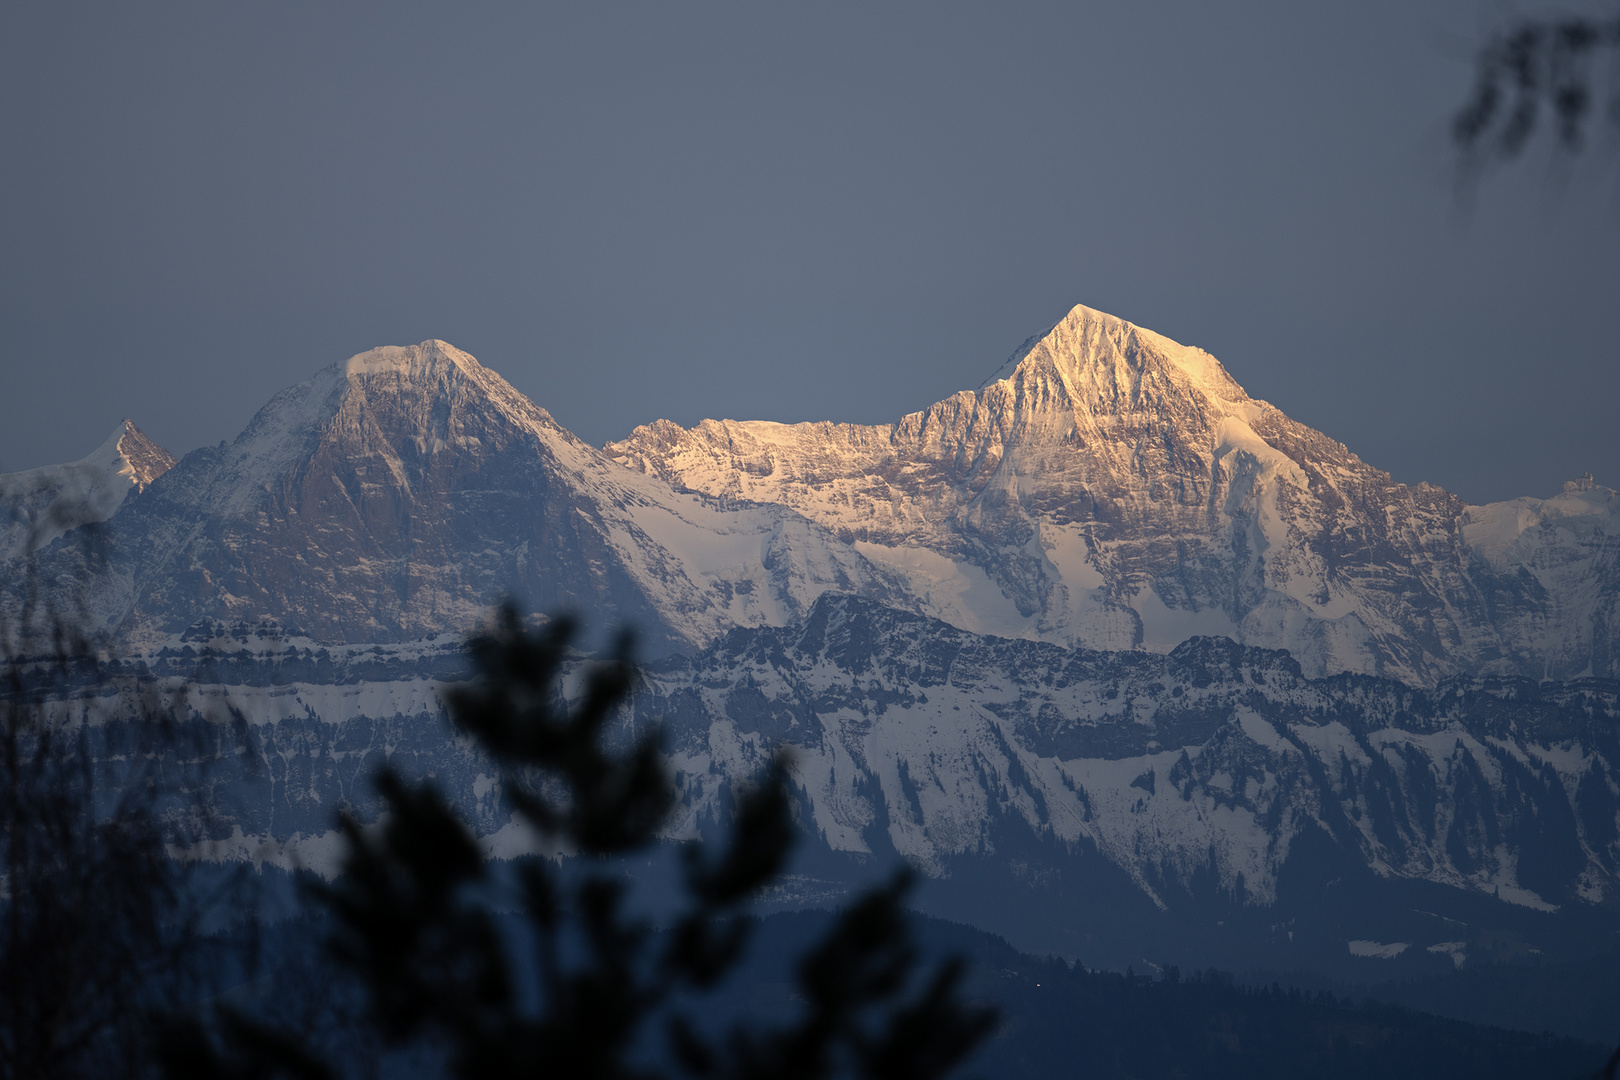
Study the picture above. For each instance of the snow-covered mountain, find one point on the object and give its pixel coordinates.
(1111, 488)
(1107, 488)
(1550, 569)
(995, 632)
(38, 505)
(403, 492)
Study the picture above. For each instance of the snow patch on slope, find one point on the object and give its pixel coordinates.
(954, 590)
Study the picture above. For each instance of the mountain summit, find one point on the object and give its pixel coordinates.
(1115, 489)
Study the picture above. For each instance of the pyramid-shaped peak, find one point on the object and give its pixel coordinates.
(130, 454)
(135, 456)
(1087, 323)
(1087, 345)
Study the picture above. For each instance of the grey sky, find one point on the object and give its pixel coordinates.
(790, 212)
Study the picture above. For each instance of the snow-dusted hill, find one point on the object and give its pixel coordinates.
(39, 505)
(1114, 489)
(916, 738)
(1212, 801)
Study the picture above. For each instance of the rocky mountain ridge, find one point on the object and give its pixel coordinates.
(1114, 489)
(1069, 797)
(1109, 488)
(918, 738)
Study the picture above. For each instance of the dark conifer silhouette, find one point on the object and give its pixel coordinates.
(587, 989)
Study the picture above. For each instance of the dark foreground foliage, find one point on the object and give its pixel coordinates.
(99, 924)
(90, 894)
(577, 985)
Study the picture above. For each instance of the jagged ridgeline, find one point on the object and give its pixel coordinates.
(1212, 804)
(1133, 665)
(1107, 488)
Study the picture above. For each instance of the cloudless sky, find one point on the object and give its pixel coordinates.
(815, 211)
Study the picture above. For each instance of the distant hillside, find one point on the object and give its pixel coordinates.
(1063, 1021)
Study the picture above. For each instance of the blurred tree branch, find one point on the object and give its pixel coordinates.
(1536, 71)
(99, 922)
